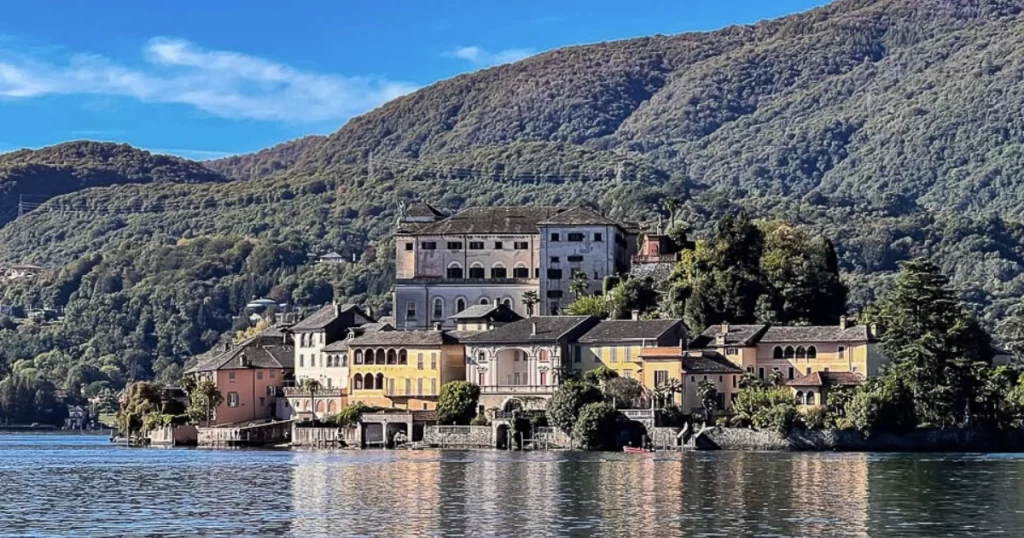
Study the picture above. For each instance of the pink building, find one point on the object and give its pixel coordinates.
(250, 376)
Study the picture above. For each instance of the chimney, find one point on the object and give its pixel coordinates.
(725, 328)
(873, 331)
(682, 344)
(635, 315)
(533, 328)
(243, 360)
(227, 346)
(843, 323)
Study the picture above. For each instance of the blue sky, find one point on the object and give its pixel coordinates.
(218, 77)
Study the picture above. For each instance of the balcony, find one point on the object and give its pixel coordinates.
(400, 392)
(442, 281)
(323, 392)
(517, 389)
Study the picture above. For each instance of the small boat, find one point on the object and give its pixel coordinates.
(635, 450)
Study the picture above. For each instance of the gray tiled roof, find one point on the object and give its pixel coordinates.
(404, 338)
(579, 216)
(826, 379)
(424, 210)
(323, 317)
(258, 354)
(816, 333)
(738, 335)
(488, 312)
(549, 329)
(619, 330)
(709, 363)
(658, 272)
(491, 220)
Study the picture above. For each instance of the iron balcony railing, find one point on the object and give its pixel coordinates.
(323, 392)
(517, 389)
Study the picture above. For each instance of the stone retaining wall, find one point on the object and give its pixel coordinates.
(666, 437)
(923, 440)
(321, 437)
(548, 437)
(459, 436)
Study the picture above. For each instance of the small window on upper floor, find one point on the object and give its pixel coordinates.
(498, 245)
(455, 245)
(554, 274)
(842, 352)
(575, 259)
(521, 245)
(554, 237)
(521, 272)
(408, 246)
(476, 245)
(576, 237)
(598, 237)
(555, 259)
(428, 245)
(731, 351)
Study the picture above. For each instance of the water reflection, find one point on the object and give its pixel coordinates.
(81, 486)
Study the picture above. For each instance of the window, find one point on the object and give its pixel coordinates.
(521, 272)
(392, 357)
(344, 360)
(460, 305)
(731, 351)
(233, 399)
(750, 369)
(498, 245)
(454, 271)
(480, 379)
(499, 271)
(408, 386)
(358, 357)
(614, 355)
(792, 373)
(357, 382)
(777, 353)
(842, 352)
(428, 245)
(554, 294)
(522, 245)
(760, 373)
(410, 310)
(485, 300)
(507, 302)
(801, 352)
(544, 357)
(516, 378)
(735, 383)
(273, 374)
(477, 271)
(576, 237)
(438, 308)
(554, 237)
(259, 375)
(660, 377)
(403, 357)
(598, 237)
(515, 356)
(455, 245)
(271, 390)
(433, 361)
(575, 259)
(419, 361)
(419, 386)
(543, 378)
(810, 397)
(790, 352)
(577, 354)
(433, 386)
(554, 274)
(812, 352)
(408, 246)
(808, 371)
(555, 259)
(476, 245)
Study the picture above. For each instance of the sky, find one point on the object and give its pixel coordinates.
(209, 79)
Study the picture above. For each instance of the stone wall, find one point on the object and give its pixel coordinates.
(325, 437)
(459, 436)
(923, 440)
(666, 437)
(551, 438)
(184, 435)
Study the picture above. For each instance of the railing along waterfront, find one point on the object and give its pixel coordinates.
(517, 389)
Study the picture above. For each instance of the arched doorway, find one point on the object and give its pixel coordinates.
(513, 404)
(501, 439)
(397, 434)
(634, 434)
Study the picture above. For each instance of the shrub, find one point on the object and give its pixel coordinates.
(350, 414)
(777, 418)
(814, 418)
(563, 409)
(596, 427)
(457, 402)
(770, 408)
(624, 391)
(480, 420)
(600, 375)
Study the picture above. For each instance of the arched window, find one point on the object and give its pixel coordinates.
(777, 353)
(454, 270)
(380, 382)
(403, 357)
(460, 305)
(392, 357)
(521, 271)
(812, 352)
(357, 382)
(799, 396)
(332, 407)
(380, 357)
(344, 360)
(801, 353)
(476, 270)
(320, 406)
(544, 357)
(507, 302)
(810, 397)
(408, 386)
(480, 357)
(358, 358)
(368, 381)
(498, 271)
(438, 308)
(790, 352)
(485, 300)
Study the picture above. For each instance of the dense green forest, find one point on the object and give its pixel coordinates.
(892, 128)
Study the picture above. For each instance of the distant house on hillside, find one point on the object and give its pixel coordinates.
(331, 257)
(21, 270)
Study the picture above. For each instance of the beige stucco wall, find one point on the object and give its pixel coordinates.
(624, 359)
(854, 358)
(600, 259)
(251, 387)
(473, 292)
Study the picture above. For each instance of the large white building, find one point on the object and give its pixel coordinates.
(483, 255)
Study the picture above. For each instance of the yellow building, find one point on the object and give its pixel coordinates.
(690, 368)
(404, 369)
(618, 344)
(799, 354)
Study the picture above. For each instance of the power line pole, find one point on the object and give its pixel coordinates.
(21, 205)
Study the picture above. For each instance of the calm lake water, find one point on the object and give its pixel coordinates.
(83, 486)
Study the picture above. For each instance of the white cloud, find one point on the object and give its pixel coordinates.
(481, 57)
(223, 83)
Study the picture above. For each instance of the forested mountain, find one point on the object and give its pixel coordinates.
(34, 176)
(895, 128)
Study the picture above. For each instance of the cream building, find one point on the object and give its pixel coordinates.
(483, 255)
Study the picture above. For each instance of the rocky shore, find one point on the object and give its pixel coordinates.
(921, 440)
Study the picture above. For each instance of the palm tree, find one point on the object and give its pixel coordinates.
(668, 390)
(708, 394)
(671, 205)
(210, 397)
(580, 283)
(530, 298)
(312, 386)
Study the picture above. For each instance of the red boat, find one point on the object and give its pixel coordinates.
(634, 450)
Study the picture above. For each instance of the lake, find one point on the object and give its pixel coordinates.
(81, 486)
